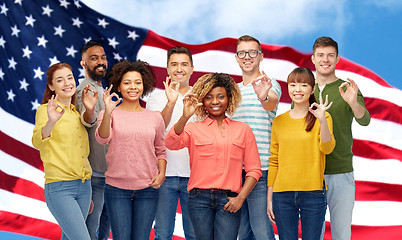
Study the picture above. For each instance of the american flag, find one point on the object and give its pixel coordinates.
(36, 34)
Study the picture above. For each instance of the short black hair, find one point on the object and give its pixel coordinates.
(89, 44)
(179, 49)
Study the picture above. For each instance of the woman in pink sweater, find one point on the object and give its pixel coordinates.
(136, 157)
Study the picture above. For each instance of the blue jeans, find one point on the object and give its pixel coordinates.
(255, 223)
(131, 212)
(94, 219)
(209, 219)
(310, 206)
(171, 190)
(341, 200)
(69, 202)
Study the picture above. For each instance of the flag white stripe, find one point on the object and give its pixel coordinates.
(383, 171)
(25, 206)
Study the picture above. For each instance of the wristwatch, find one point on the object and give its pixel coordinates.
(263, 100)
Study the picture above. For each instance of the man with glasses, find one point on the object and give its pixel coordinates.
(260, 97)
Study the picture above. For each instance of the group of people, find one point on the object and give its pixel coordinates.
(217, 146)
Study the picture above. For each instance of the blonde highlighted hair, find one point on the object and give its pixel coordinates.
(209, 81)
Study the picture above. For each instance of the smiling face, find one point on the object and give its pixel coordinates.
(131, 86)
(95, 63)
(249, 64)
(300, 92)
(325, 60)
(216, 102)
(63, 84)
(179, 68)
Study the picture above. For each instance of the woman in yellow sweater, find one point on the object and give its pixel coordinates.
(63, 145)
(296, 185)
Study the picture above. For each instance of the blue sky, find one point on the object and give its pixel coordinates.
(368, 31)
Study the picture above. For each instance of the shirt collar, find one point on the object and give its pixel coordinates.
(208, 121)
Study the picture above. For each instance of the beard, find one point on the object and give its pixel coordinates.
(94, 75)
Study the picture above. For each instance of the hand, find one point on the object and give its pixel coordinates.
(233, 205)
(270, 211)
(157, 181)
(53, 113)
(91, 207)
(88, 99)
(110, 105)
(350, 95)
(171, 90)
(318, 110)
(262, 88)
(190, 105)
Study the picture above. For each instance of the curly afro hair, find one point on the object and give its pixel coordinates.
(211, 80)
(118, 70)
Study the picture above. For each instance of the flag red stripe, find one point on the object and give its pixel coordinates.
(21, 151)
(16, 223)
(21, 186)
(385, 110)
(375, 191)
(270, 51)
(374, 150)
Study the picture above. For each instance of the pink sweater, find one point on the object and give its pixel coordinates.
(135, 145)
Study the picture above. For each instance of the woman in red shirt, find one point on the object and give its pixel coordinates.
(219, 148)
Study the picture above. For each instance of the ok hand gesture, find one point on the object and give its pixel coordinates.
(171, 90)
(110, 105)
(190, 105)
(88, 99)
(318, 110)
(53, 112)
(350, 95)
(262, 85)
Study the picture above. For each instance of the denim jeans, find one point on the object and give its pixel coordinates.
(209, 219)
(310, 206)
(69, 202)
(131, 212)
(341, 199)
(255, 223)
(94, 219)
(171, 190)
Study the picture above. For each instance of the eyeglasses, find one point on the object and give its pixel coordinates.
(251, 53)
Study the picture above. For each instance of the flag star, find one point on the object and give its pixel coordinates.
(64, 3)
(87, 39)
(132, 34)
(1, 74)
(53, 60)
(71, 51)
(12, 63)
(4, 9)
(11, 95)
(77, 3)
(77, 22)
(15, 31)
(2, 41)
(30, 20)
(59, 31)
(38, 73)
(35, 105)
(18, 2)
(82, 72)
(47, 10)
(113, 42)
(24, 84)
(42, 41)
(117, 57)
(102, 23)
(27, 52)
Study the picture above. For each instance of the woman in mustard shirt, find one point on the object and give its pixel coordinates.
(63, 144)
(296, 185)
(219, 148)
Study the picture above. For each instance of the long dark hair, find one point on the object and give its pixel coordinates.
(304, 75)
(49, 77)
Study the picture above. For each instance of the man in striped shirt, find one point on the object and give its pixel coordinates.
(260, 97)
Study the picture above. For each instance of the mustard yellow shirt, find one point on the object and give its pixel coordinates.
(65, 152)
(297, 160)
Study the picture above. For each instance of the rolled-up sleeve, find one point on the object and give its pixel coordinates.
(252, 163)
(101, 140)
(176, 142)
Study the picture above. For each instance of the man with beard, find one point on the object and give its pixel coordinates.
(94, 63)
